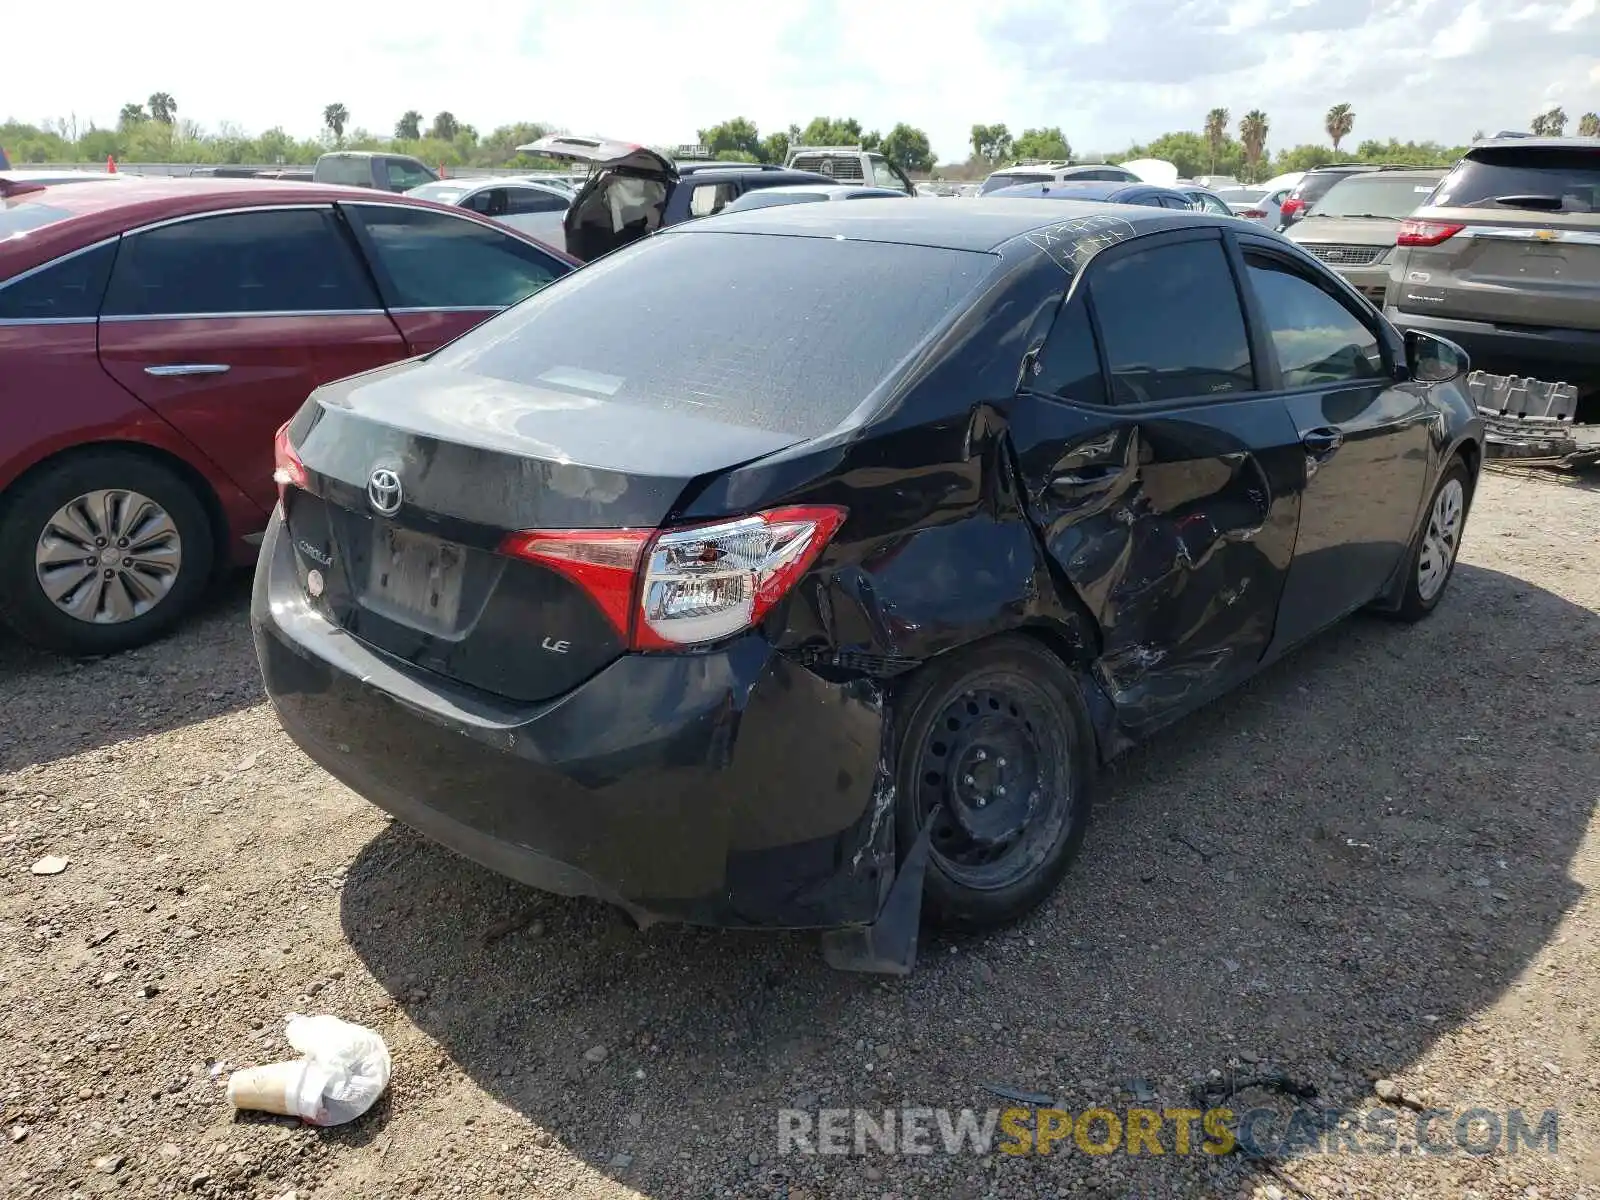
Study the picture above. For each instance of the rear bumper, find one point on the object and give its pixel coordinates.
(1557, 355)
(733, 788)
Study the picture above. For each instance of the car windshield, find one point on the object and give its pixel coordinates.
(21, 214)
(1520, 177)
(996, 182)
(443, 193)
(1375, 195)
(789, 334)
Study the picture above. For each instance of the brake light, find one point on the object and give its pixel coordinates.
(684, 587)
(1291, 206)
(287, 469)
(1426, 233)
(1254, 214)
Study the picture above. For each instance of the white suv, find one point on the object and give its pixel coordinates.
(1056, 172)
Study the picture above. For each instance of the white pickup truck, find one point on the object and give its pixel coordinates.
(850, 164)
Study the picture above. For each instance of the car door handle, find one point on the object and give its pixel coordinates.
(167, 370)
(1322, 442)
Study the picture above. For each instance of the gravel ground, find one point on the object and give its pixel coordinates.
(1375, 862)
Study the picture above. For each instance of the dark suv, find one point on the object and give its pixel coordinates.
(634, 190)
(1314, 185)
(1505, 259)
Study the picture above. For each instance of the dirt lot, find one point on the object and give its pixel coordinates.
(1375, 862)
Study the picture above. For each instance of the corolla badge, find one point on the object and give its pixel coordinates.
(384, 492)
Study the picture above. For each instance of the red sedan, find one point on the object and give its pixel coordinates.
(155, 334)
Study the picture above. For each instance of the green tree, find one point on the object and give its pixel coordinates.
(909, 148)
(1341, 119)
(1216, 133)
(1253, 129)
(131, 114)
(775, 147)
(1552, 123)
(409, 127)
(1302, 158)
(739, 135)
(163, 107)
(991, 142)
(1589, 125)
(1184, 150)
(830, 131)
(739, 156)
(1049, 143)
(444, 126)
(336, 117)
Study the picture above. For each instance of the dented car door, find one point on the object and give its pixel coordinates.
(1163, 479)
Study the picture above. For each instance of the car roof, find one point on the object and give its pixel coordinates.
(1089, 189)
(93, 214)
(982, 224)
(1535, 143)
(1409, 173)
(829, 189)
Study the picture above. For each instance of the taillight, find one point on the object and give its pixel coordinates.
(684, 587)
(1291, 206)
(287, 469)
(1254, 213)
(1426, 233)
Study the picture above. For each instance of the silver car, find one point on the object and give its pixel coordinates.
(809, 193)
(1256, 204)
(536, 208)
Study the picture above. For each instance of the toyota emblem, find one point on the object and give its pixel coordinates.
(383, 491)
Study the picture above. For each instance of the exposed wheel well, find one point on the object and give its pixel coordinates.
(196, 481)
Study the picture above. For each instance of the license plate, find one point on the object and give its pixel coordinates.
(415, 579)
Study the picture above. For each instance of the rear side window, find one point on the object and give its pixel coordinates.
(1318, 339)
(66, 290)
(1525, 179)
(995, 182)
(532, 200)
(427, 259)
(787, 334)
(356, 171)
(274, 260)
(1172, 324)
(709, 198)
(1070, 363)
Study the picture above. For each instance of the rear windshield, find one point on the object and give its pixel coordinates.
(1524, 178)
(1316, 186)
(788, 334)
(1241, 195)
(23, 213)
(995, 182)
(1375, 195)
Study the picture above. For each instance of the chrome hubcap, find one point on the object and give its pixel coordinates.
(108, 556)
(1442, 539)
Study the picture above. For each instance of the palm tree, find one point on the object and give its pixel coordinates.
(1589, 125)
(1341, 119)
(132, 114)
(163, 107)
(1253, 133)
(409, 127)
(1216, 133)
(336, 117)
(445, 127)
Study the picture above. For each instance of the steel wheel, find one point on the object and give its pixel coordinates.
(991, 763)
(1441, 540)
(108, 556)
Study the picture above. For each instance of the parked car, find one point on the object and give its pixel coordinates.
(1146, 194)
(850, 164)
(362, 168)
(1354, 227)
(1505, 258)
(1203, 199)
(537, 209)
(632, 190)
(1256, 204)
(156, 332)
(1055, 172)
(1313, 186)
(768, 580)
(808, 193)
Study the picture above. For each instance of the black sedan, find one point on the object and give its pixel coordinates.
(801, 568)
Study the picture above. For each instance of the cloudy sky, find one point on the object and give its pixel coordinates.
(1109, 72)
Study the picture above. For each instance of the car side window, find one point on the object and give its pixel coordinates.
(709, 198)
(67, 290)
(883, 174)
(426, 259)
(486, 201)
(1069, 363)
(266, 261)
(1317, 338)
(532, 200)
(1172, 324)
(403, 175)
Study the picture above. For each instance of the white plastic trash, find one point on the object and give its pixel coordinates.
(344, 1071)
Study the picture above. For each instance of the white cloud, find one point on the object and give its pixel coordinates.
(1108, 71)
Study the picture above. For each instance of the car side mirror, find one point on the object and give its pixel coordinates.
(1432, 359)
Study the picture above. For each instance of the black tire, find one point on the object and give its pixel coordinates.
(1414, 605)
(1009, 692)
(30, 506)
